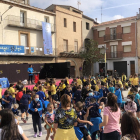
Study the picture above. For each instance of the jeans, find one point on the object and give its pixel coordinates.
(36, 121)
(115, 135)
(30, 78)
(94, 135)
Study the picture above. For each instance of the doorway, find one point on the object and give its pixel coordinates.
(72, 71)
(132, 67)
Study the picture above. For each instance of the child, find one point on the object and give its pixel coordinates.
(24, 104)
(137, 101)
(36, 107)
(82, 120)
(77, 95)
(7, 99)
(53, 92)
(131, 92)
(15, 109)
(0, 93)
(130, 105)
(118, 94)
(68, 91)
(111, 88)
(12, 92)
(95, 118)
(49, 119)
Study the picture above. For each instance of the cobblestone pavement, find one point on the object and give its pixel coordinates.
(28, 127)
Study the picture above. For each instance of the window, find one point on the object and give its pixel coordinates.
(74, 26)
(113, 51)
(102, 50)
(65, 45)
(101, 33)
(22, 18)
(76, 46)
(65, 22)
(46, 19)
(127, 48)
(87, 25)
(126, 30)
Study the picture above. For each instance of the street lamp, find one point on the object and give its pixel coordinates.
(6, 11)
(105, 58)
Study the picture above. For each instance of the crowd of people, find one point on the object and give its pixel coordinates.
(87, 109)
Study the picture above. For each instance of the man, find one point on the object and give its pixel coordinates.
(30, 71)
(115, 74)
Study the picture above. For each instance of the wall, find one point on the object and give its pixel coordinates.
(67, 32)
(110, 65)
(10, 35)
(138, 40)
(87, 33)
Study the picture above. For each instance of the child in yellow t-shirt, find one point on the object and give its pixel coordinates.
(12, 92)
(53, 92)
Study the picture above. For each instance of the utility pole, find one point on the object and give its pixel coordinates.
(78, 3)
(101, 14)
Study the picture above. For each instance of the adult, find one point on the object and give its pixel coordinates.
(30, 72)
(65, 120)
(130, 127)
(9, 130)
(111, 119)
(115, 74)
(135, 81)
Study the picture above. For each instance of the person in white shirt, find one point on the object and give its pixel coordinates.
(9, 130)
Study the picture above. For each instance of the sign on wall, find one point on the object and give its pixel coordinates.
(47, 38)
(12, 49)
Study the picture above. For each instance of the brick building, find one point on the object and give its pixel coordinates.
(119, 39)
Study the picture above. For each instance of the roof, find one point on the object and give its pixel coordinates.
(116, 21)
(27, 6)
(67, 6)
(84, 16)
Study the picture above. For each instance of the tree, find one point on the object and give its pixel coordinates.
(91, 53)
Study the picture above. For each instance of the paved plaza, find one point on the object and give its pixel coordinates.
(28, 127)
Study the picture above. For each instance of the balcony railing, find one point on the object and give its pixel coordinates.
(112, 37)
(38, 51)
(26, 23)
(114, 55)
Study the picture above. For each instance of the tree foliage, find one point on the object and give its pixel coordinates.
(91, 52)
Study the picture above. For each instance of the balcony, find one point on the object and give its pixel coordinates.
(69, 53)
(15, 21)
(113, 37)
(114, 55)
(38, 51)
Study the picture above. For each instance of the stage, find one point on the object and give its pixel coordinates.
(32, 86)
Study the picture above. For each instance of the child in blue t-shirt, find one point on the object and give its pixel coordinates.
(95, 117)
(111, 88)
(137, 101)
(119, 95)
(82, 120)
(15, 109)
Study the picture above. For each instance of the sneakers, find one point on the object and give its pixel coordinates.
(23, 120)
(26, 118)
(40, 134)
(35, 135)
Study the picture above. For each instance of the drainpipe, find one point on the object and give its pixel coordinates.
(136, 64)
(55, 39)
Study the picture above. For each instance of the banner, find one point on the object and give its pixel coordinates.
(12, 49)
(47, 38)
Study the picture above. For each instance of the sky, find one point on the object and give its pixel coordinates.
(111, 9)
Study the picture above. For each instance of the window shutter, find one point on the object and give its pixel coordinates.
(126, 29)
(101, 33)
(127, 48)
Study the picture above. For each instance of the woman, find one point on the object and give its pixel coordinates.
(9, 130)
(130, 105)
(65, 120)
(111, 118)
(130, 127)
(135, 81)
